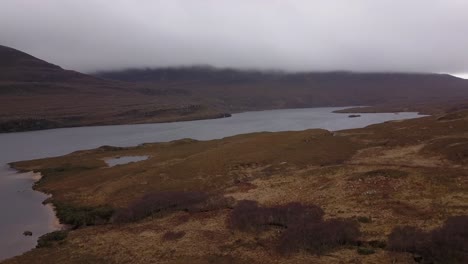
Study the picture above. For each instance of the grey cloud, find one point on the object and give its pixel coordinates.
(295, 35)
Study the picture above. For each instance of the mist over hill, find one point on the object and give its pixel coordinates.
(244, 89)
(35, 94)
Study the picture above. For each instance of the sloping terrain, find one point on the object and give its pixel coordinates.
(252, 90)
(400, 173)
(35, 94)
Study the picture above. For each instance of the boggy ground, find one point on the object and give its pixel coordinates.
(398, 173)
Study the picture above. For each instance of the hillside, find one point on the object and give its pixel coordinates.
(17, 66)
(35, 94)
(389, 193)
(251, 90)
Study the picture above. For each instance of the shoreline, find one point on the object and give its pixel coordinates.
(55, 223)
(49, 203)
(32, 204)
(359, 162)
(58, 126)
(37, 176)
(220, 115)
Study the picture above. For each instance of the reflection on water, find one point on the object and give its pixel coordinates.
(21, 206)
(111, 162)
(22, 210)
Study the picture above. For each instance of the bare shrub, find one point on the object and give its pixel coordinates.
(50, 239)
(365, 251)
(248, 216)
(303, 226)
(159, 202)
(407, 238)
(318, 237)
(446, 244)
(77, 216)
(364, 219)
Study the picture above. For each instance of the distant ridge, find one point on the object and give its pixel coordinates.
(209, 73)
(35, 94)
(250, 89)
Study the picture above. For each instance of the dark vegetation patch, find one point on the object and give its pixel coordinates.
(50, 239)
(54, 172)
(318, 237)
(365, 251)
(27, 124)
(159, 202)
(377, 244)
(364, 219)
(179, 110)
(301, 226)
(82, 216)
(168, 236)
(446, 244)
(248, 216)
(65, 168)
(169, 201)
(106, 148)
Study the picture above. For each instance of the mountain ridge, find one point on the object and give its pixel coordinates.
(35, 92)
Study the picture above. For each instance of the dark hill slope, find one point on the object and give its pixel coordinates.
(35, 94)
(17, 66)
(241, 90)
(15, 58)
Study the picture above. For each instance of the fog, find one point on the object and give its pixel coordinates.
(293, 35)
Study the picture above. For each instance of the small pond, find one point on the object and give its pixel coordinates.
(111, 162)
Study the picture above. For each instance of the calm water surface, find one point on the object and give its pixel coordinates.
(111, 162)
(21, 206)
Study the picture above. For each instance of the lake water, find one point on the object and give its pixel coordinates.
(21, 206)
(111, 162)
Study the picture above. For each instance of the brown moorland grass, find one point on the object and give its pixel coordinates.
(396, 174)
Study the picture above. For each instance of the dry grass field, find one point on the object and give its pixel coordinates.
(399, 173)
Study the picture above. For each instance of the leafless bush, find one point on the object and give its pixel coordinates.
(159, 202)
(303, 226)
(447, 244)
(318, 237)
(248, 216)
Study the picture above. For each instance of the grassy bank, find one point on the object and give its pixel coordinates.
(245, 199)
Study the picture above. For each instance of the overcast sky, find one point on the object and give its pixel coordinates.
(296, 35)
